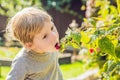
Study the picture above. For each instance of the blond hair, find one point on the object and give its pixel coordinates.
(26, 23)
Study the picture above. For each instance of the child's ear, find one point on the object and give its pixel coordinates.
(28, 45)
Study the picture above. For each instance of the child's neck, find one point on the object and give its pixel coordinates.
(37, 52)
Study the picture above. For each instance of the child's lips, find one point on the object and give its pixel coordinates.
(57, 46)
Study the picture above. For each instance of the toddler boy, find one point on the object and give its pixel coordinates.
(38, 60)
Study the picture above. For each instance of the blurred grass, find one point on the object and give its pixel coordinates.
(7, 52)
(72, 70)
(4, 72)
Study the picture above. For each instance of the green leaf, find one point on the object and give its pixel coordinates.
(109, 67)
(113, 27)
(76, 37)
(93, 38)
(99, 32)
(117, 51)
(118, 6)
(106, 46)
(92, 21)
(85, 38)
(113, 10)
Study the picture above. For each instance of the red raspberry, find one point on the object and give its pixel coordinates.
(91, 50)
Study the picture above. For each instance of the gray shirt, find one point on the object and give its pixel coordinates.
(34, 66)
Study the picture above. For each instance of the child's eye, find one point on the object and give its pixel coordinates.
(44, 36)
(52, 20)
(52, 28)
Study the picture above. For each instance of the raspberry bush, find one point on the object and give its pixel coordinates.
(100, 35)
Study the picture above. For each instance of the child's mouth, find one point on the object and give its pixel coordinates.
(57, 46)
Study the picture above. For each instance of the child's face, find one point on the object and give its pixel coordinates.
(46, 40)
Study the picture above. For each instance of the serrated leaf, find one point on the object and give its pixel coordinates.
(106, 46)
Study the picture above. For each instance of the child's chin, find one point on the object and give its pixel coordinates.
(55, 50)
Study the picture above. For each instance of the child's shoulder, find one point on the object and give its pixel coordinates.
(20, 57)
